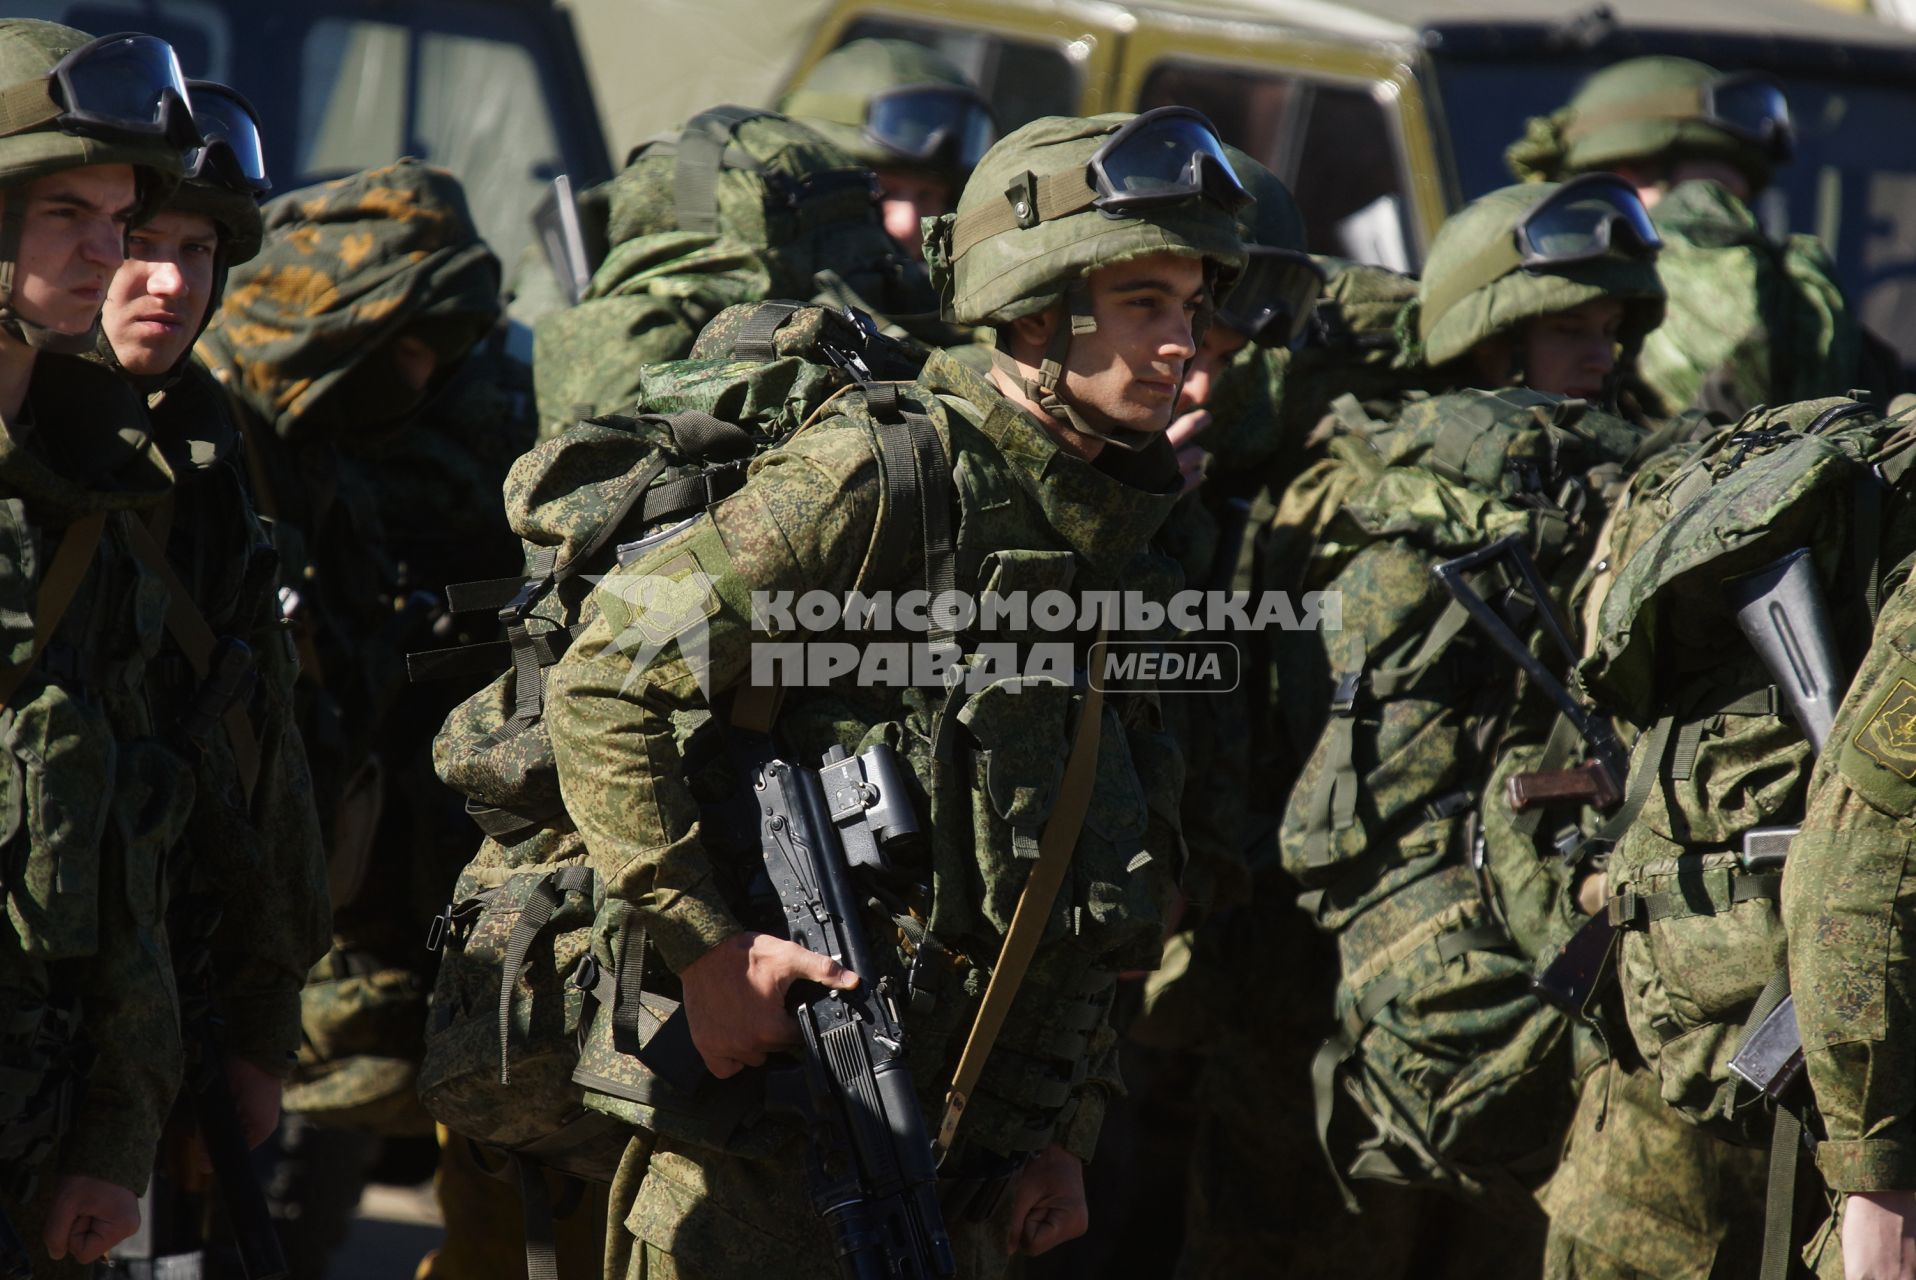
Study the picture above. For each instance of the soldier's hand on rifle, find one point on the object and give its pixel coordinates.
(1047, 1205)
(88, 1216)
(1879, 1236)
(735, 998)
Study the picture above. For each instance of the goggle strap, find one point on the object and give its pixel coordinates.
(1055, 195)
(1665, 104)
(28, 105)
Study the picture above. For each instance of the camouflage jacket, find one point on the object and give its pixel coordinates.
(811, 517)
(302, 344)
(1750, 321)
(94, 792)
(1848, 903)
(252, 883)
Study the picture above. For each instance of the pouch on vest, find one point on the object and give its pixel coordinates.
(57, 777)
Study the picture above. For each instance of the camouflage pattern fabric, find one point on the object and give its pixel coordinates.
(1642, 1194)
(1749, 321)
(379, 492)
(93, 797)
(809, 519)
(1847, 903)
(660, 284)
(1372, 831)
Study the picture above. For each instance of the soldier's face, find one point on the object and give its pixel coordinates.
(71, 244)
(1128, 373)
(160, 293)
(1220, 346)
(1573, 353)
(905, 198)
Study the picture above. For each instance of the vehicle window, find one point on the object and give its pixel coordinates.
(1330, 143)
(352, 111)
(1851, 183)
(1023, 79)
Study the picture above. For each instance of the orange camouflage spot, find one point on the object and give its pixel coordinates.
(355, 247)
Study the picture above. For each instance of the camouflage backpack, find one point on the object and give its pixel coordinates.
(1457, 1069)
(739, 206)
(518, 985)
(1719, 771)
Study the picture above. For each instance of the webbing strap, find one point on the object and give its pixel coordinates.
(542, 1237)
(1866, 532)
(906, 436)
(755, 337)
(1779, 1201)
(1631, 910)
(27, 105)
(196, 640)
(1033, 912)
(1334, 798)
(695, 171)
(57, 589)
(533, 918)
(1643, 775)
(1055, 195)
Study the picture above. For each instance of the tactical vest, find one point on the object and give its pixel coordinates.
(1718, 774)
(1439, 903)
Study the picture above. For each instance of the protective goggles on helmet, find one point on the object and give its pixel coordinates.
(229, 154)
(1747, 106)
(1272, 301)
(1165, 156)
(1588, 218)
(932, 124)
(119, 87)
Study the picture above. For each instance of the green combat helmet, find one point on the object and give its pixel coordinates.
(896, 104)
(1060, 198)
(1532, 250)
(68, 101)
(1657, 112)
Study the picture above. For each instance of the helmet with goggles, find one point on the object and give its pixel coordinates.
(1060, 198)
(1533, 250)
(1664, 110)
(1277, 291)
(896, 104)
(69, 101)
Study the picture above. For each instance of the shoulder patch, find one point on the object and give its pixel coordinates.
(1888, 736)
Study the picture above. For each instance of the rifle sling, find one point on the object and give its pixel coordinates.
(197, 641)
(1028, 919)
(57, 590)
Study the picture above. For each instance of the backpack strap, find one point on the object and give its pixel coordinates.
(197, 641)
(532, 921)
(701, 155)
(57, 589)
(754, 341)
(917, 477)
(1033, 912)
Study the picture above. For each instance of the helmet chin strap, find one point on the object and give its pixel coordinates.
(1047, 392)
(39, 337)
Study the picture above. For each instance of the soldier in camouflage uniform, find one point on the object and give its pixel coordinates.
(906, 113)
(249, 912)
(1399, 802)
(359, 350)
(1062, 446)
(100, 790)
(1752, 320)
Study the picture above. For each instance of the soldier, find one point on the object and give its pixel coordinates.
(97, 792)
(1751, 320)
(906, 113)
(1097, 288)
(249, 912)
(1437, 900)
(379, 419)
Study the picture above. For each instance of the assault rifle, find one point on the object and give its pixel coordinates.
(870, 1173)
(1780, 608)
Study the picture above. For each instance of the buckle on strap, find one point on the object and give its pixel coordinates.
(1344, 697)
